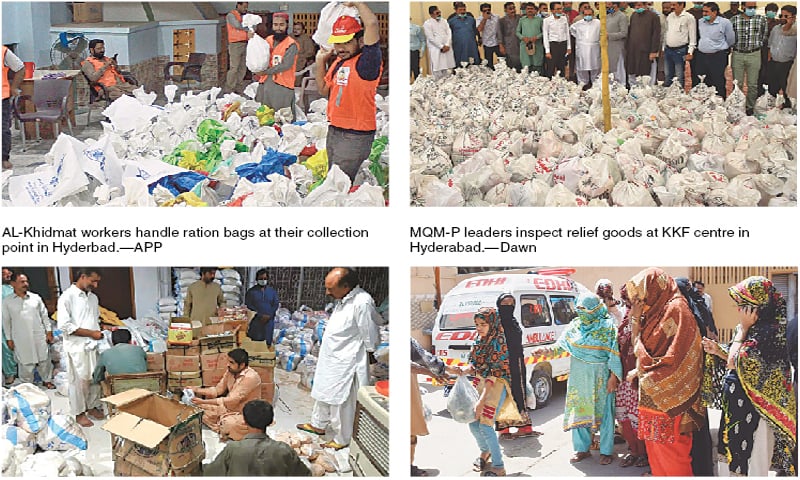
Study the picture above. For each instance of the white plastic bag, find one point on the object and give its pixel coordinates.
(327, 17)
(49, 184)
(462, 400)
(101, 161)
(257, 57)
(19, 437)
(62, 433)
(29, 407)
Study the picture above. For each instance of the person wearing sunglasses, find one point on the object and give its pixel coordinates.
(488, 28)
(782, 52)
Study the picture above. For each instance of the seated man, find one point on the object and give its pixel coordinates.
(223, 403)
(257, 455)
(121, 358)
(104, 70)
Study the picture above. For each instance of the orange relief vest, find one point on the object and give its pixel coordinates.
(110, 77)
(286, 77)
(6, 85)
(351, 102)
(234, 34)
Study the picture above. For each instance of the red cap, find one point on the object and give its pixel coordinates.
(344, 29)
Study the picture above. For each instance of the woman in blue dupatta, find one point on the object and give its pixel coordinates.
(595, 371)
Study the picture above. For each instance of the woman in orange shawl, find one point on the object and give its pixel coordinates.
(669, 367)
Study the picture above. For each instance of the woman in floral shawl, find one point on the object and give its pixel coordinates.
(669, 367)
(594, 373)
(489, 361)
(759, 407)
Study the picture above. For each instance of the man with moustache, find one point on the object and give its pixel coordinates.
(104, 70)
(350, 85)
(203, 297)
(351, 332)
(79, 320)
(306, 49)
(276, 83)
(28, 331)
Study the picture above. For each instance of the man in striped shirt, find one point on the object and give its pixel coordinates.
(751, 33)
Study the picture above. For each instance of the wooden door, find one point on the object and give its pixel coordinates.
(116, 291)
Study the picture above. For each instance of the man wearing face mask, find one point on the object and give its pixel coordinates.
(465, 34)
(751, 34)
(587, 47)
(276, 83)
(716, 37)
(782, 53)
(104, 70)
(509, 43)
(680, 41)
(350, 334)
(733, 11)
(643, 43)
(771, 13)
(617, 27)
(439, 38)
(350, 85)
(557, 44)
(262, 299)
(203, 297)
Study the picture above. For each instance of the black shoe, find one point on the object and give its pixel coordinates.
(749, 112)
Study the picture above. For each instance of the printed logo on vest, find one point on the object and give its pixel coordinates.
(343, 76)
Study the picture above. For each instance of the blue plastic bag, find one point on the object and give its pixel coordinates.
(272, 162)
(178, 183)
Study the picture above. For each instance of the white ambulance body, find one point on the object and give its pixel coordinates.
(545, 304)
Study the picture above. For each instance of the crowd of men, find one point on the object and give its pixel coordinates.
(557, 39)
(232, 407)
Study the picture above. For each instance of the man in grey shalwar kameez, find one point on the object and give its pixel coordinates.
(617, 28)
(509, 43)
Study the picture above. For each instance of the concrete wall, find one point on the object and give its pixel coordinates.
(28, 25)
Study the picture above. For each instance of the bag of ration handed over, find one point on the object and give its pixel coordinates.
(53, 181)
(257, 56)
(327, 17)
(462, 400)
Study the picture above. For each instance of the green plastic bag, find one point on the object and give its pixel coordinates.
(211, 130)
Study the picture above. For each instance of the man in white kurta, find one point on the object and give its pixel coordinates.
(440, 41)
(28, 331)
(587, 46)
(351, 332)
(79, 319)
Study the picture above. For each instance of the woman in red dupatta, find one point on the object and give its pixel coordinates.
(669, 367)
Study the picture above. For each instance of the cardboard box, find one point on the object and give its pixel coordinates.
(183, 363)
(179, 333)
(181, 380)
(268, 392)
(212, 377)
(267, 374)
(217, 338)
(155, 361)
(253, 346)
(263, 360)
(234, 313)
(214, 361)
(184, 350)
(161, 437)
(87, 12)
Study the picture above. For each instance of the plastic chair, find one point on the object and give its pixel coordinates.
(308, 92)
(190, 72)
(102, 95)
(50, 102)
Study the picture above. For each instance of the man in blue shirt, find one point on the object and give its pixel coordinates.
(716, 39)
(262, 299)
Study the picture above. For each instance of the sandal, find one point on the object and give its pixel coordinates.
(606, 459)
(307, 427)
(642, 462)
(579, 456)
(418, 472)
(333, 445)
(482, 463)
(494, 472)
(628, 460)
